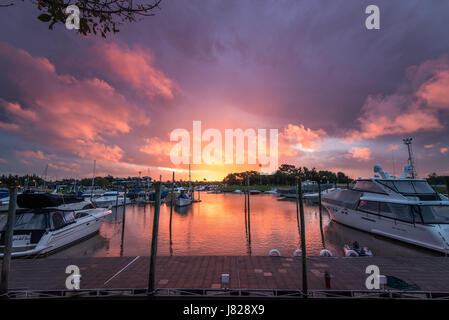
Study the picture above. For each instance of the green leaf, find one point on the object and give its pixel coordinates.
(44, 17)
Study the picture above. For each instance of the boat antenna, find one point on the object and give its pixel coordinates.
(411, 163)
(93, 181)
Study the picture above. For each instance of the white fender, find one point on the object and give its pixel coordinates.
(274, 251)
(351, 253)
(297, 253)
(325, 253)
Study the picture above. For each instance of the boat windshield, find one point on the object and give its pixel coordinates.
(435, 214)
(28, 221)
(409, 187)
(368, 186)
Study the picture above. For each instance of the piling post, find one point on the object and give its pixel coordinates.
(319, 202)
(116, 202)
(171, 208)
(6, 263)
(246, 217)
(321, 213)
(153, 255)
(303, 240)
(123, 224)
(249, 215)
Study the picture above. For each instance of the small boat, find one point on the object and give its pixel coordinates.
(271, 191)
(255, 192)
(183, 200)
(109, 199)
(237, 191)
(356, 251)
(49, 222)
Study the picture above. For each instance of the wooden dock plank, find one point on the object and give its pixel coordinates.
(246, 272)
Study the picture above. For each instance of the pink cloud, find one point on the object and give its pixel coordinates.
(3, 160)
(65, 112)
(9, 126)
(435, 91)
(444, 150)
(155, 146)
(429, 146)
(359, 153)
(294, 136)
(29, 154)
(414, 107)
(135, 66)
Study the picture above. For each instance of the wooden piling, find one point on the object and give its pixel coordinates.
(123, 224)
(246, 218)
(153, 255)
(249, 215)
(321, 213)
(6, 263)
(303, 240)
(171, 209)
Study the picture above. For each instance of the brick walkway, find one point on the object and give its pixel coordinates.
(257, 272)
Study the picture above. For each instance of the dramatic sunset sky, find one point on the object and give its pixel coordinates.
(342, 97)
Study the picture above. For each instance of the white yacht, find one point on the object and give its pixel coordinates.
(51, 222)
(405, 209)
(109, 199)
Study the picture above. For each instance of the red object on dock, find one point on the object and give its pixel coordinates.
(327, 280)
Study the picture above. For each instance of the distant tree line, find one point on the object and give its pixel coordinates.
(435, 179)
(286, 175)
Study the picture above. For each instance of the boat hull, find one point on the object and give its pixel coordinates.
(181, 202)
(434, 237)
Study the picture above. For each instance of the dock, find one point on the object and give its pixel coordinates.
(202, 274)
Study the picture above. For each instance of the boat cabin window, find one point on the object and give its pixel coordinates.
(435, 214)
(369, 206)
(69, 217)
(29, 221)
(81, 215)
(404, 187)
(368, 186)
(88, 206)
(422, 187)
(395, 211)
(60, 219)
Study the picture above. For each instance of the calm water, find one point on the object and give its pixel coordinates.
(216, 226)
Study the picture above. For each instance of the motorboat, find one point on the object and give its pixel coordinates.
(271, 191)
(405, 208)
(111, 199)
(255, 192)
(355, 250)
(50, 222)
(183, 200)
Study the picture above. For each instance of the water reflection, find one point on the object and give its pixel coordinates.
(216, 226)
